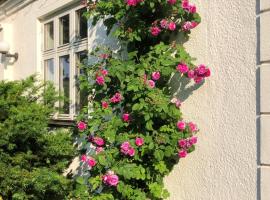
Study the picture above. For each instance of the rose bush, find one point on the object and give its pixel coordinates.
(133, 133)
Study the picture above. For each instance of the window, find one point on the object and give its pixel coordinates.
(81, 94)
(49, 70)
(81, 24)
(64, 30)
(65, 45)
(48, 36)
(64, 80)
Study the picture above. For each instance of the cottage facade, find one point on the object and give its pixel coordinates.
(232, 109)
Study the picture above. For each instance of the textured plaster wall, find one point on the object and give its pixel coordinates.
(224, 165)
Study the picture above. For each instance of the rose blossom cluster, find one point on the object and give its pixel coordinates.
(117, 97)
(110, 178)
(90, 161)
(100, 77)
(181, 125)
(127, 149)
(155, 77)
(164, 24)
(184, 145)
(133, 2)
(197, 74)
(189, 7)
(98, 141)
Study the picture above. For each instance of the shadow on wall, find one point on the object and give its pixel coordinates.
(183, 84)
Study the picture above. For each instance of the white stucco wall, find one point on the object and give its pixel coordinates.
(224, 165)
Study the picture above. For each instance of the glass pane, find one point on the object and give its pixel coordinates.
(48, 36)
(81, 24)
(64, 30)
(65, 82)
(49, 70)
(82, 94)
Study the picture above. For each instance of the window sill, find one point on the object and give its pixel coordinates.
(61, 122)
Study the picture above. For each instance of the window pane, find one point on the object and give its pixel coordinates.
(64, 30)
(82, 94)
(49, 70)
(81, 24)
(65, 82)
(48, 36)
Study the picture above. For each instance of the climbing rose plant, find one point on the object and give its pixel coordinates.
(133, 132)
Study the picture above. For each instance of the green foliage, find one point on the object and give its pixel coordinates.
(32, 158)
(153, 117)
(134, 23)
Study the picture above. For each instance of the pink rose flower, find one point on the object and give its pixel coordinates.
(91, 162)
(112, 180)
(191, 74)
(104, 56)
(132, 2)
(185, 4)
(181, 125)
(193, 127)
(99, 141)
(193, 140)
(182, 68)
(139, 141)
(171, 1)
(99, 149)
(100, 80)
(177, 102)
(189, 7)
(81, 126)
(125, 146)
(151, 83)
(104, 72)
(126, 117)
(192, 8)
(182, 154)
(164, 23)
(116, 98)
(201, 70)
(198, 80)
(189, 25)
(207, 73)
(131, 152)
(155, 76)
(172, 26)
(84, 158)
(155, 31)
(182, 143)
(105, 105)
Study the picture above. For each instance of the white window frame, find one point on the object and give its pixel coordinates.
(72, 48)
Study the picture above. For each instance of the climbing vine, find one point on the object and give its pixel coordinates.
(132, 130)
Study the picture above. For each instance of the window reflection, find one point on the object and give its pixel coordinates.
(65, 82)
(82, 93)
(48, 36)
(81, 24)
(64, 30)
(49, 70)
